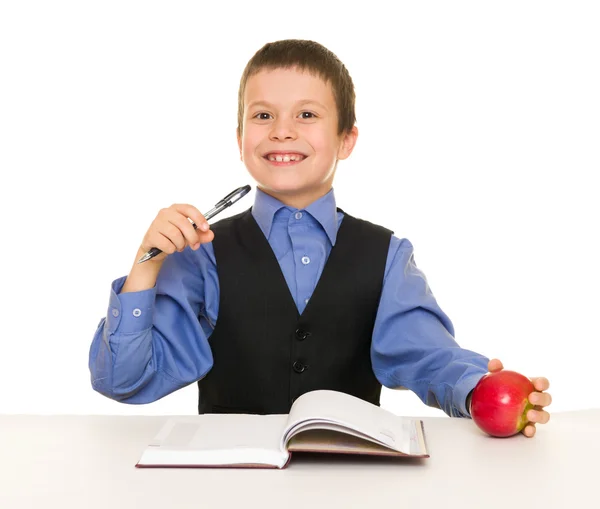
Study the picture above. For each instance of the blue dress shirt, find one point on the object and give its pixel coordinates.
(152, 342)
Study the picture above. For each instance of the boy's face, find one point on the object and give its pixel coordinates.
(290, 143)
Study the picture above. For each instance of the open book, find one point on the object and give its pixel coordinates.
(319, 421)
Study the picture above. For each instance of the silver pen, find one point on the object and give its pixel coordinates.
(229, 200)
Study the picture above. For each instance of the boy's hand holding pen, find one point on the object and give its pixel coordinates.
(175, 228)
(183, 225)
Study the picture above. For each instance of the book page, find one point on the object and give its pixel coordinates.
(381, 426)
(332, 441)
(319, 424)
(218, 439)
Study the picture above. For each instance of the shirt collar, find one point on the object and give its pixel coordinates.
(324, 210)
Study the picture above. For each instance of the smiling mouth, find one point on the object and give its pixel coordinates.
(285, 158)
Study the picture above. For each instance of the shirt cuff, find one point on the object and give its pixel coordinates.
(129, 312)
(462, 390)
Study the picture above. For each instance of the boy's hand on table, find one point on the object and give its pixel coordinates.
(539, 399)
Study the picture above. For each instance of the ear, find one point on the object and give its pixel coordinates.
(239, 140)
(348, 143)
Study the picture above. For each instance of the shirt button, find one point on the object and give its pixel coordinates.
(137, 312)
(306, 301)
(115, 312)
(305, 260)
(298, 215)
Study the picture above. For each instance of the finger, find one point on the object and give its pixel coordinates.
(172, 232)
(163, 243)
(190, 235)
(528, 430)
(540, 399)
(541, 383)
(495, 365)
(194, 214)
(537, 415)
(204, 238)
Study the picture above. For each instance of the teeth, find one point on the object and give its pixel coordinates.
(285, 158)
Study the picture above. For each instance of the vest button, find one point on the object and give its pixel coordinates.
(301, 334)
(299, 367)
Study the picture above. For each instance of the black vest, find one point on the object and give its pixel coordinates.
(265, 354)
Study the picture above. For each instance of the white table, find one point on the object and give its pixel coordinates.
(87, 462)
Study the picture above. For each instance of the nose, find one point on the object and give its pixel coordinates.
(283, 129)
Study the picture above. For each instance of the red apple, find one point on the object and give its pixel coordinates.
(500, 402)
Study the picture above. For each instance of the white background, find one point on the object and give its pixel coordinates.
(479, 141)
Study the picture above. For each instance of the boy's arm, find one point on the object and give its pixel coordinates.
(413, 340)
(152, 342)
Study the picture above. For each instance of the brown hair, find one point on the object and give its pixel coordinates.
(306, 56)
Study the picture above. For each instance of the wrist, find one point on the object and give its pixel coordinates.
(468, 402)
(142, 275)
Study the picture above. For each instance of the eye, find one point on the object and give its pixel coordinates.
(262, 116)
(307, 114)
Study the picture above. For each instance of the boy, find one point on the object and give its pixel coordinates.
(236, 307)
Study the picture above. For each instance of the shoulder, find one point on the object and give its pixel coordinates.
(366, 224)
(228, 223)
(400, 248)
(397, 243)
